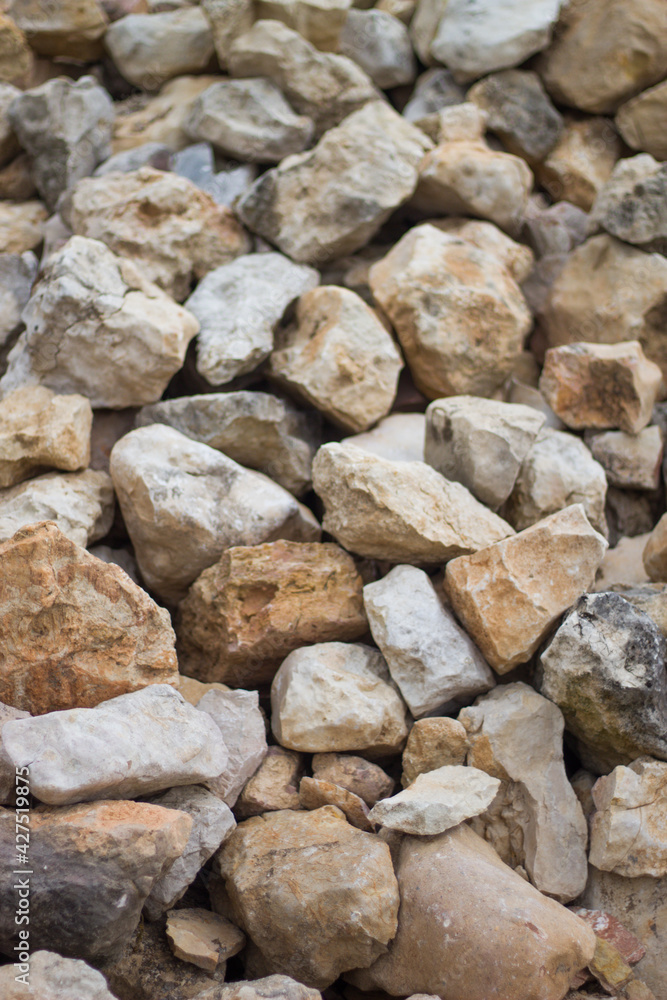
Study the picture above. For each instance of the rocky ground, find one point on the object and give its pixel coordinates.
(333, 545)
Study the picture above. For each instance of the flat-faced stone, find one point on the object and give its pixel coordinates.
(437, 801)
(433, 743)
(149, 49)
(273, 786)
(241, 723)
(316, 792)
(630, 461)
(202, 937)
(356, 774)
(81, 504)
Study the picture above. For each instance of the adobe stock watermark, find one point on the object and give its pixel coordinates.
(23, 873)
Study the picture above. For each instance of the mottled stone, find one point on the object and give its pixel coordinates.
(639, 119)
(359, 776)
(273, 786)
(268, 988)
(203, 938)
(437, 801)
(160, 118)
(17, 274)
(654, 556)
(381, 45)
(316, 792)
(9, 780)
(519, 112)
(149, 49)
(52, 977)
(581, 162)
(238, 717)
(71, 28)
(16, 58)
(81, 504)
(21, 226)
(630, 206)
(321, 22)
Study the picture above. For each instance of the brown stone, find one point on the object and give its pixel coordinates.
(609, 967)
(581, 162)
(366, 780)
(314, 793)
(70, 28)
(609, 928)
(203, 938)
(21, 225)
(433, 743)
(273, 786)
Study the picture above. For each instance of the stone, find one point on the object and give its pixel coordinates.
(637, 119)
(317, 206)
(431, 285)
(244, 614)
(509, 595)
(160, 118)
(460, 123)
(581, 162)
(39, 430)
(54, 978)
(380, 44)
(623, 564)
(17, 274)
(149, 49)
(193, 690)
(197, 163)
(519, 112)
(50, 592)
(437, 801)
(212, 824)
(94, 864)
(398, 437)
(149, 154)
(268, 988)
(609, 968)
(8, 776)
(435, 89)
(430, 658)
(630, 461)
(558, 471)
(16, 59)
(608, 928)
(648, 597)
(96, 326)
(69, 29)
(273, 786)
(21, 226)
(604, 668)
(185, 503)
(480, 443)
(203, 938)
(399, 511)
(654, 556)
(467, 927)
(81, 504)
(630, 204)
(249, 120)
(238, 717)
(315, 793)
(515, 257)
(555, 230)
(65, 126)
(319, 21)
(601, 385)
(338, 356)
(536, 820)
(228, 20)
(331, 868)
(361, 777)
(9, 144)
(432, 744)
(174, 231)
(336, 696)
(629, 512)
(238, 305)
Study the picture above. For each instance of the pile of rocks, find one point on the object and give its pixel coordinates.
(333, 553)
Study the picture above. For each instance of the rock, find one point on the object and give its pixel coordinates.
(609, 929)
(480, 443)
(429, 656)
(515, 257)
(336, 696)
(317, 206)
(17, 274)
(364, 779)
(203, 938)
(21, 226)
(163, 222)
(654, 556)
(95, 326)
(149, 49)
(330, 867)
(431, 285)
(325, 87)
(380, 44)
(629, 512)
(238, 717)
(52, 659)
(622, 564)
(70, 30)
(398, 437)
(185, 503)
(630, 205)
(460, 123)
(159, 118)
(467, 926)
(81, 504)
(8, 776)
(149, 154)
(238, 305)
(82, 754)
(509, 595)
(519, 112)
(66, 126)
(40, 430)
(273, 786)
(604, 668)
(339, 357)
(630, 461)
(435, 89)
(54, 978)
(243, 615)
(432, 744)
(16, 60)
(315, 793)
(555, 230)
(228, 20)
(648, 597)
(558, 471)
(637, 120)
(249, 120)
(581, 163)
(94, 864)
(319, 21)
(9, 144)
(601, 385)
(536, 820)
(197, 163)
(212, 824)
(399, 511)
(268, 988)
(437, 801)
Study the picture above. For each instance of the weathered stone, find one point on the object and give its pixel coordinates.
(50, 592)
(268, 988)
(399, 437)
(70, 29)
(623, 564)
(336, 696)
(654, 556)
(238, 306)
(163, 222)
(630, 206)
(433, 743)
(149, 154)
(629, 512)
(381, 45)
(460, 123)
(605, 670)
(21, 226)
(608, 928)
(228, 20)
(399, 511)
(9, 144)
(630, 461)
(509, 595)
(238, 717)
(8, 776)
(331, 868)
(52, 977)
(638, 121)
(273, 786)
(319, 21)
(81, 504)
(17, 274)
(581, 163)
(316, 206)
(160, 118)
(316, 792)
(459, 315)
(198, 164)
(555, 230)
(185, 503)
(149, 49)
(469, 927)
(361, 777)
(515, 257)
(435, 89)
(203, 938)
(519, 112)
(648, 597)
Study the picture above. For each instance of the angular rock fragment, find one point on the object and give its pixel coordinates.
(198, 164)
(363, 778)
(238, 717)
(609, 928)
(517, 258)
(203, 938)
(160, 118)
(273, 786)
(148, 154)
(17, 274)
(318, 21)
(381, 45)
(398, 437)
(54, 978)
(149, 49)
(315, 793)
(435, 89)
(519, 112)
(581, 162)
(648, 597)
(16, 59)
(630, 461)
(268, 988)
(433, 743)
(654, 556)
(21, 226)
(71, 29)
(630, 206)
(639, 119)
(81, 504)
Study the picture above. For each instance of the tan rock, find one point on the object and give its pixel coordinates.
(55, 978)
(149, 49)
(71, 29)
(623, 564)
(21, 225)
(81, 504)
(243, 615)
(203, 938)
(517, 258)
(508, 595)
(581, 162)
(459, 315)
(228, 19)
(601, 385)
(193, 690)
(273, 786)
(433, 743)
(360, 776)
(15, 53)
(630, 461)
(55, 660)
(160, 118)
(319, 21)
(315, 793)
(654, 553)
(638, 121)
(331, 868)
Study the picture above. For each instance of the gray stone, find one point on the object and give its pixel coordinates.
(80, 503)
(228, 20)
(53, 977)
(381, 45)
(268, 988)
(318, 21)
(631, 205)
(149, 49)
(9, 144)
(17, 274)
(435, 89)
(239, 719)
(648, 597)
(630, 461)
(8, 777)
(197, 163)
(149, 154)
(555, 230)
(519, 112)
(639, 120)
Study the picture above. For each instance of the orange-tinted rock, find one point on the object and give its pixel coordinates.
(273, 786)
(314, 793)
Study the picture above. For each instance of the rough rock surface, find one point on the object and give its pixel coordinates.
(630, 461)
(150, 49)
(21, 226)
(53, 977)
(17, 274)
(67, 29)
(273, 786)
(316, 792)
(359, 776)
(399, 437)
(581, 162)
(630, 205)
(654, 556)
(80, 503)
(267, 988)
(519, 112)
(160, 118)
(8, 774)
(203, 938)
(380, 44)
(238, 717)
(638, 121)
(433, 743)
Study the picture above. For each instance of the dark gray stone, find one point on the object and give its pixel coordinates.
(520, 112)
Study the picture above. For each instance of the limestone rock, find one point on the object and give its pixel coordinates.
(381, 45)
(361, 777)
(435, 89)
(398, 437)
(399, 511)
(15, 55)
(198, 164)
(8, 776)
(581, 163)
(555, 230)
(149, 154)
(243, 615)
(238, 717)
(21, 226)
(163, 222)
(81, 504)
(238, 306)
(519, 112)
(185, 503)
(638, 121)
(273, 786)
(331, 868)
(648, 597)
(459, 315)
(17, 274)
(517, 258)
(54, 659)
(605, 670)
(336, 696)
(623, 564)
(52, 977)
(95, 326)
(316, 792)
(203, 938)
(268, 988)
(433, 743)
(228, 20)
(509, 595)
(160, 118)
(71, 29)
(630, 206)
(319, 21)
(654, 556)
(316, 206)
(630, 461)
(149, 49)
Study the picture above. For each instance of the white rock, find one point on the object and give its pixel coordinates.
(399, 437)
(631, 461)
(381, 45)
(132, 745)
(53, 977)
(237, 716)
(429, 656)
(7, 768)
(17, 274)
(80, 503)
(150, 49)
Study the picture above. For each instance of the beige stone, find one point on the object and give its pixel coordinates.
(654, 552)
(639, 119)
(71, 29)
(315, 793)
(273, 786)
(15, 54)
(623, 564)
(161, 118)
(319, 21)
(517, 258)
(202, 937)
(21, 225)
(149, 49)
(433, 743)
(581, 162)
(459, 315)
(53, 977)
(8, 776)
(81, 504)
(356, 774)
(243, 726)
(399, 437)
(276, 988)
(630, 461)
(508, 595)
